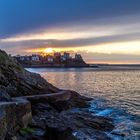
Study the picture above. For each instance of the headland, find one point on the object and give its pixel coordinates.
(56, 60)
(66, 60)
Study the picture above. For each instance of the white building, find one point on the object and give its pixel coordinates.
(35, 58)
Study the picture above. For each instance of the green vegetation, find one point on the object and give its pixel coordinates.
(27, 130)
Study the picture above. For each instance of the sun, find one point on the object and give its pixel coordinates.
(48, 50)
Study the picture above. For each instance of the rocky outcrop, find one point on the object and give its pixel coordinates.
(63, 100)
(71, 124)
(16, 81)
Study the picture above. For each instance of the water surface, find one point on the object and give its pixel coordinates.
(116, 94)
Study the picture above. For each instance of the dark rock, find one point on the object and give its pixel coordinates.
(18, 82)
(118, 134)
(90, 134)
(3, 124)
(4, 96)
(78, 121)
(57, 134)
(62, 100)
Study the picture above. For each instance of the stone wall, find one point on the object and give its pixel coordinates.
(14, 116)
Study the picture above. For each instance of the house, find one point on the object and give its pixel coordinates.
(35, 57)
(50, 59)
(78, 57)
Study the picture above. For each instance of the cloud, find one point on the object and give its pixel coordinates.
(22, 16)
(80, 42)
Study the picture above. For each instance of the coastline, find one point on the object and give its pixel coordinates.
(115, 93)
(32, 108)
(55, 66)
(93, 67)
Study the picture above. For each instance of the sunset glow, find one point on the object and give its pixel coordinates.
(48, 50)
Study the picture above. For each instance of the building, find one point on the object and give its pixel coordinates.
(35, 57)
(55, 59)
(22, 58)
(50, 59)
(78, 57)
(57, 55)
(66, 55)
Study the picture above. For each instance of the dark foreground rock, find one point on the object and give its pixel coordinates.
(53, 123)
(33, 109)
(16, 81)
(4, 96)
(72, 124)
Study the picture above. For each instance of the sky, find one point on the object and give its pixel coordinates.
(103, 31)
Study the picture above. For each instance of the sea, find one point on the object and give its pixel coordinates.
(116, 94)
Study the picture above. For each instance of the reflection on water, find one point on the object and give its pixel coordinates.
(122, 87)
(111, 90)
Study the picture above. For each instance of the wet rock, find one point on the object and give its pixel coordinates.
(76, 120)
(81, 123)
(90, 134)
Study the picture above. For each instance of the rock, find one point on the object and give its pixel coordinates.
(90, 134)
(4, 96)
(56, 134)
(76, 120)
(3, 124)
(81, 123)
(14, 116)
(62, 100)
(16, 81)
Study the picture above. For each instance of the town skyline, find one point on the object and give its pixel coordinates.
(49, 59)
